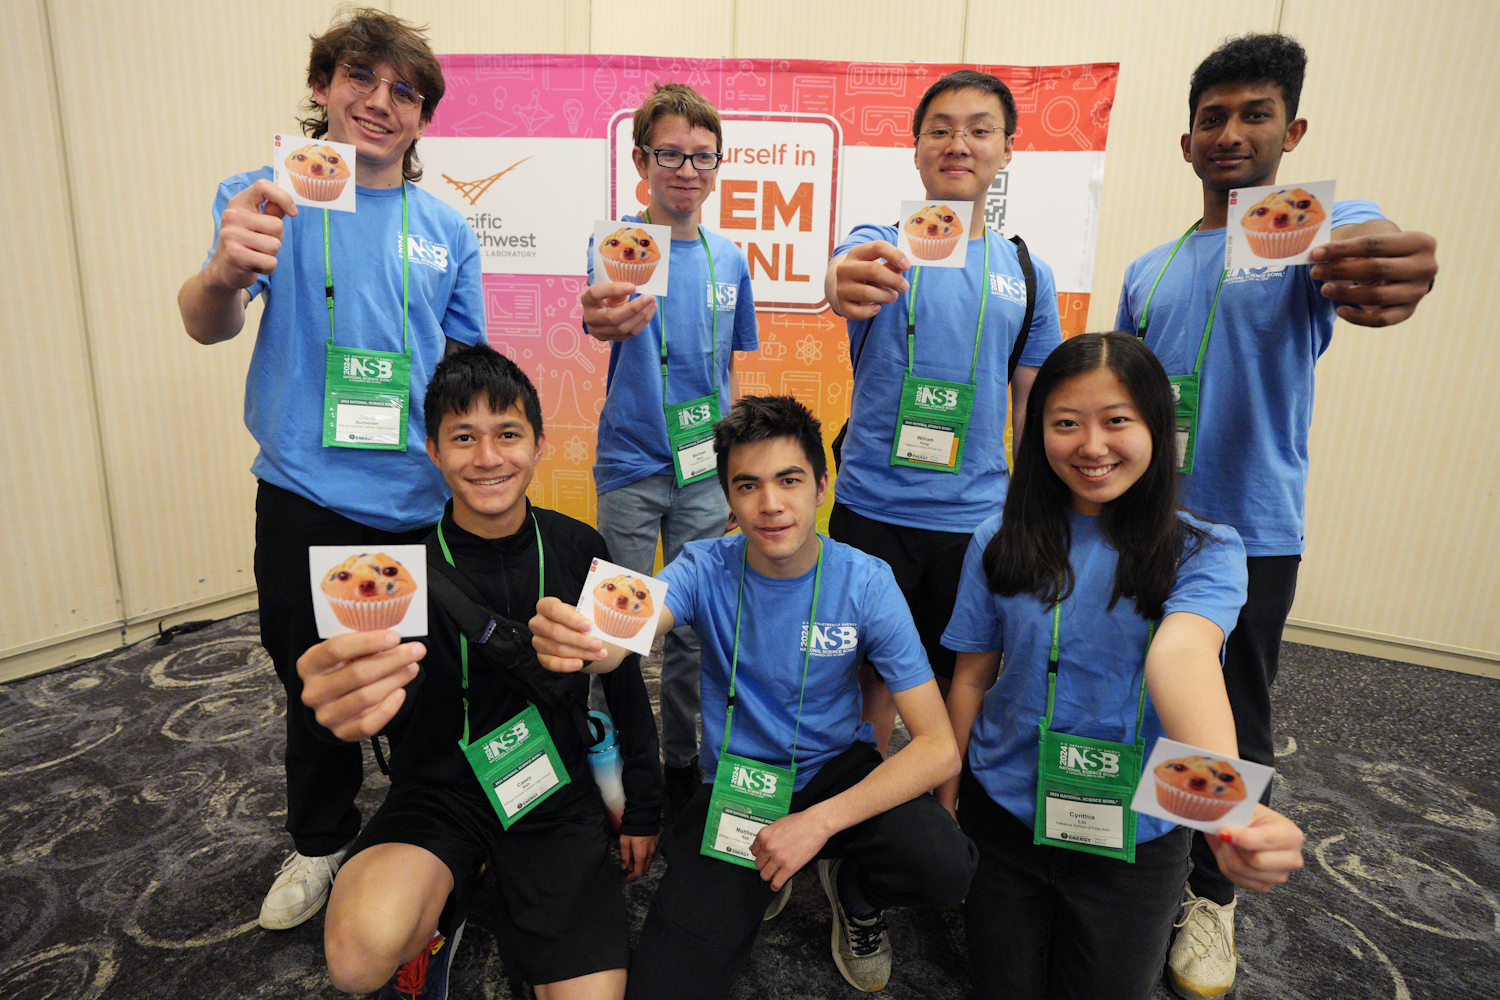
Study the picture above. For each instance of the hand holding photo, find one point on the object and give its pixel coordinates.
(635, 252)
(318, 174)
(359, 589)
(1198, 789)
(932, 234)
(623, 605)
(1277, 224)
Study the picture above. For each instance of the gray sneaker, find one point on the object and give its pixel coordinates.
(300, 890)
(778, 901)
(861, 948)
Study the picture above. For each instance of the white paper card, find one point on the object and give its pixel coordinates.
(1196, 789)
(633, 252)
(623, 605)
(1276, 226)
(935, 233)
(363, 588)
(317, 172)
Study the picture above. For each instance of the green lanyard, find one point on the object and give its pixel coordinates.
(714, 321)
(984, 301)
(1212, 309)
(812, 618)
(1140, 711)
(463, 642)
(405, 273)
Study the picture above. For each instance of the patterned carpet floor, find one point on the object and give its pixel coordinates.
(141, 811)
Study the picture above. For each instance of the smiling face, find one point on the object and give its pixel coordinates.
(488, 460)
(379, 131)
(961, 169)
(677, 195)
(1239, 132)
(1096, 440)
(775, 499)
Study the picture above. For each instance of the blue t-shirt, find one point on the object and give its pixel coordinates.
(861, 617)
(1101, 655)
(947, 315)
(1272, 325)
(389, 490)
(633, 426)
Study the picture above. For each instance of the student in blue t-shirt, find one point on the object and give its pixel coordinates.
(662, 355)
(1092, 549)
(786, 616)
(1250, 451)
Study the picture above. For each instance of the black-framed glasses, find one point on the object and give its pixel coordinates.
(403, 95)
(672, 158)
(978, 134)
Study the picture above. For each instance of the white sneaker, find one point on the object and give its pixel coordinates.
(1202, 963)
(300, 890)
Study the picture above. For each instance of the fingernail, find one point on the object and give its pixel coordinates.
(1226, 836)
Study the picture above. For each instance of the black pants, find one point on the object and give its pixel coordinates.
(1251, 656)
(322, 778)
(706, 913)
(1047, 923)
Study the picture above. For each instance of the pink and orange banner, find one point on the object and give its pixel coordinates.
(533, 148)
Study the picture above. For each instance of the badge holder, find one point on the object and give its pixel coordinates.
(516, 764)
(749, 795)
(932, 421)
(690, 431)
(1084, 785)
(367, 394)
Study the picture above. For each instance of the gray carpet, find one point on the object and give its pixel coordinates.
(141, 807)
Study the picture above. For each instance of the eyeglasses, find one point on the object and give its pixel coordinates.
(672, 158)
(403, 95)
(977, 134)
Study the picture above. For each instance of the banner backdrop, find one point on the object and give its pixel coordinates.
(533, 148)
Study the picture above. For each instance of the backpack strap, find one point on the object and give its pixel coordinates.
(1029, 273)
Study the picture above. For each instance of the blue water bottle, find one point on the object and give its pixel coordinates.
(604, 761)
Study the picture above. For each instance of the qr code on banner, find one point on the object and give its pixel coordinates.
(994, 202)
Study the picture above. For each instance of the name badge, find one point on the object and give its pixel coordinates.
(690, 429)
(517, 765)
(1185, 399)
(747, 797)
(365, 399)
(932, 424)
(1084, 787)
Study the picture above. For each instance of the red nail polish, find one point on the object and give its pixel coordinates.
(1226, 836)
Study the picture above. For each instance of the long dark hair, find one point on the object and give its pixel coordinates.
(1029, 554)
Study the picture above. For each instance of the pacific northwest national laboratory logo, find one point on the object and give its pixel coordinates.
(472, 190)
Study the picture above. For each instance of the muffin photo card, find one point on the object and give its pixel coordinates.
(623, 605)
(1198, 789)
(317, 172)
(931, 233)
(633, 252)
(1277, 225)
(363, 588)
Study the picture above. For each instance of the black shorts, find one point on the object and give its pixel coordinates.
(562, 910)
(927, 565)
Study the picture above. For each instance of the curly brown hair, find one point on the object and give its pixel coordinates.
(364, 36)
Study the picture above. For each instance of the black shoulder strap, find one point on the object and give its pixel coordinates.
(1030, 274)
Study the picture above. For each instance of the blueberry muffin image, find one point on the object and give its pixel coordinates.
(369, 591)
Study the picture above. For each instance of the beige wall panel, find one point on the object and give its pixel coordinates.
(53, 519)
(160, 101)
(662, 28)
(497, 26)
(1404, 518)
(852, 30)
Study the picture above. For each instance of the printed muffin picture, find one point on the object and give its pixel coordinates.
(622, 604)
(369, 591)
(1283, 223)
(319, 173)
(933, 232)
(630, 255)
(1198, 788)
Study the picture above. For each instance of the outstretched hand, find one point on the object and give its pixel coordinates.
(1259, 856)
(1378, 278)
(867, 278)
(356, 682)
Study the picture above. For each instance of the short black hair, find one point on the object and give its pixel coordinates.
(762, 418)
(965, 79)
(1266, 58)
(480, 370)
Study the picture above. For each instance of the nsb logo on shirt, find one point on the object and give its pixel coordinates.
(830, 640)
(932, 397)
(367, 369)
(1089, 762)
(753, 781)
(1007, 287)
(506, 742)
(692, 416)
(728, 294)
(421, 250)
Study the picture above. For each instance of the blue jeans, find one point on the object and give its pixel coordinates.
(631, 519)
